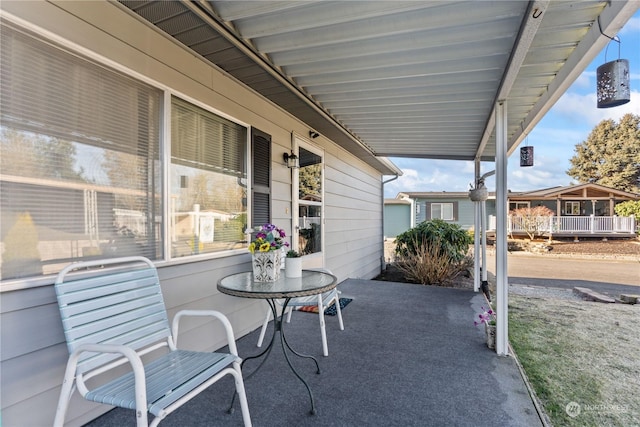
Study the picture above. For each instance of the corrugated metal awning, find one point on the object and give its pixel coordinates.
(400, 78)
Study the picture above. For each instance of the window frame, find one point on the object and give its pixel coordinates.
(519, 205)
(569, 206)
(441, 204)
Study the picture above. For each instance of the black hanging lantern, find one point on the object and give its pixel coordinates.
(613, 83)
(612, 78)
(526, 156)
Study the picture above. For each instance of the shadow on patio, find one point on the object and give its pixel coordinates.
(409, 355)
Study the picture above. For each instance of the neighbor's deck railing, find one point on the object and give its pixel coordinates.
(573, 224)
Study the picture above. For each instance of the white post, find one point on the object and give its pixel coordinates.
(502, 287)
(483, 221)
(476, 235)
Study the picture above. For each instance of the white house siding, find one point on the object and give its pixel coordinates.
(353, 215)
(33, 353)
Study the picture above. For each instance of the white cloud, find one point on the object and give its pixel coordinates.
(632, 25)
(583, 108)
(430, 175)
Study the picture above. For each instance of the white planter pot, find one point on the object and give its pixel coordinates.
(293, 267)
(266, 266)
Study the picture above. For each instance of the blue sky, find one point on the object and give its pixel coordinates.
(554, 138)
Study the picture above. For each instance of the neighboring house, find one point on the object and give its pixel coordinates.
(119, 140)
(573, 200)
(579, 209)
(453, 207)
(398, 216)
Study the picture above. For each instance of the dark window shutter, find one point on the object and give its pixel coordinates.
(427, 211)
(455, 211)
(261, 185)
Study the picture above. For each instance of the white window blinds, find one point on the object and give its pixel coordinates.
(80, 171)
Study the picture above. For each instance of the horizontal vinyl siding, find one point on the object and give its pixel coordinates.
(466, 213)
(397, 219)
(33, 353)
(353, 214)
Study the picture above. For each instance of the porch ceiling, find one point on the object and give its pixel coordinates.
(399, 78)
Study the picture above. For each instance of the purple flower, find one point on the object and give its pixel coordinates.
(271, 236)
(487, 316)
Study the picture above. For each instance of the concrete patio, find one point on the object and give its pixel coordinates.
(409, 355)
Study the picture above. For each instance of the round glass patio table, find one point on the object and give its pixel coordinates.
(311, 283)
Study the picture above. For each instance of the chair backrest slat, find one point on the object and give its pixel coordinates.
(103, 304)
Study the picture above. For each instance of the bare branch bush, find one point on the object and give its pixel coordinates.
(430, 265)
(533, 221)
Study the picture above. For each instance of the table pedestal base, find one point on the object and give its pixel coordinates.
(278, 327)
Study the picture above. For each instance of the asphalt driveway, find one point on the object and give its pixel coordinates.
(608, 276)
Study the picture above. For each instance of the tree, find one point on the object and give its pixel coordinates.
(533, 221)
(310, 184)
(38, 156)
(610, 155)
(629, 208)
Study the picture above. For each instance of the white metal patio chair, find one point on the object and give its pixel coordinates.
(322, 301)
(113, 314)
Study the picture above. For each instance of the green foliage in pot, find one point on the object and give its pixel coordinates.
(293, 254)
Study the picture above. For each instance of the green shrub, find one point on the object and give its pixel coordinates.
(430, 266)
(450, 239)
(630, 208)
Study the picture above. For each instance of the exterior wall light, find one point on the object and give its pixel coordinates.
(291, 160)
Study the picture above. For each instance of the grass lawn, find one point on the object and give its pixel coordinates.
(581, 358)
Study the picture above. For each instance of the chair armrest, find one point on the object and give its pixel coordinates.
(128, 353)
(231, 341)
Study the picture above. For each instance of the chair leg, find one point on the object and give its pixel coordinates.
(323, 332)
(65, 393)
(264, 327)
(289, 314)
(242, 395)
(339, 312)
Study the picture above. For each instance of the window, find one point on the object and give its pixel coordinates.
(572, 208)
(442, 211)
(80, 159)
(208, 181)
(518, 205)
(82, 171)
(310, 202)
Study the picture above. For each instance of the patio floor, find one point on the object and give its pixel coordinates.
(409, 356)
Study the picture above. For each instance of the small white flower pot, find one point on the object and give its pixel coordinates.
(293, 267)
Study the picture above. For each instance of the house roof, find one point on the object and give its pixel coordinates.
(439, 194)
(580, 191)
(399, 78)
(397, 202)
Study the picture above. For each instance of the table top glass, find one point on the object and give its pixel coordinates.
(311, 283)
